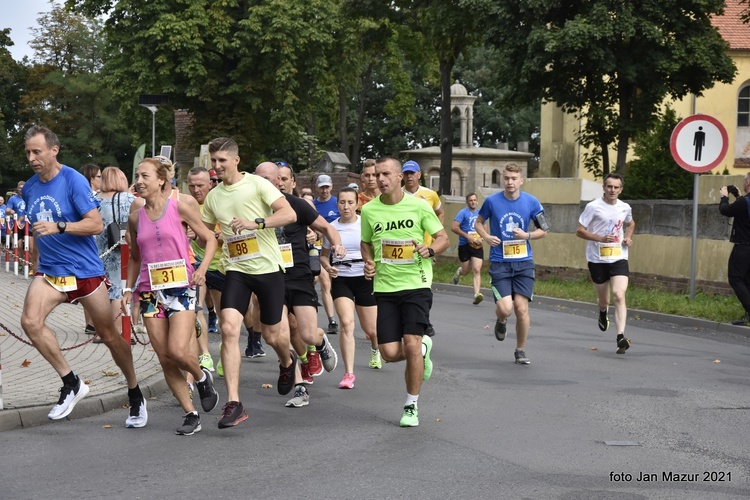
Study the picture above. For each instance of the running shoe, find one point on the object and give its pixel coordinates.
(743, 321)
(307, 379)
(313, 363)
(603, 320)
(500, 328)
(427, 341)
(249, 348)
(376, 361)
(206, 361)
(410, 418)
(301, 398)
(190, 425)
(478, 298)
(521, 358)
(220, 365)
(348, 381)
(333, 327)
(138, 414)
(328, 356)
(457, 276)
(213, 321)
(140, 329)
(207, 392)
(232, 414)
(69, 398)
(286, 375)
(623, 344)
(258, 351)
(89, 330)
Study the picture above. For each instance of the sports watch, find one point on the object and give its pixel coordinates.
(261, 222)
(61, 226)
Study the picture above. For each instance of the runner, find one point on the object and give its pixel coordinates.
(470, 250)
(327, 206)
(167, 283)
(349, 288)
(247, 207)
(65, 217)
(510, 213)
(370, 189)
(607, 223)
(393, 229)
(300, 297)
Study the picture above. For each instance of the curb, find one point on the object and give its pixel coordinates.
(682, 321)
(91, 406)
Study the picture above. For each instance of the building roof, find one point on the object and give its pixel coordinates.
(731, 27)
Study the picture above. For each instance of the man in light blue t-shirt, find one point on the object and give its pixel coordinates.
(64, 217)
(510, 214)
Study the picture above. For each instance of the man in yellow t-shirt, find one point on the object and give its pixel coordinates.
(248, 207)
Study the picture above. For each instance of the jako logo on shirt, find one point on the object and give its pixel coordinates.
(392, 225)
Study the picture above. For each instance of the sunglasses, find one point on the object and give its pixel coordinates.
(214, 180)
(281, 163)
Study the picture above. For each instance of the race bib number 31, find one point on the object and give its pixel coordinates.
(243, 247)
(515, 249)
(168, 274)
(397, 252)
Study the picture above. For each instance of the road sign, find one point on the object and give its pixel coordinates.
(699, 143)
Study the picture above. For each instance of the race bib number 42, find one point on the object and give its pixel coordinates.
(243, 247)
(168, 274)
(515, 249)
(397, 252)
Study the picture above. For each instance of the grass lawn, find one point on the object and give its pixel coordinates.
(720, 308)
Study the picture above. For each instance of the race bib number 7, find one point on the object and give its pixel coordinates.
(610, 251)
(397, 252)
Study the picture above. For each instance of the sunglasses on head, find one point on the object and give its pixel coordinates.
(281, 163)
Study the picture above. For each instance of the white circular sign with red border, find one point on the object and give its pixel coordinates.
(699, 143)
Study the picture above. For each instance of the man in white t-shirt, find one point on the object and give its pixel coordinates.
(607, 224)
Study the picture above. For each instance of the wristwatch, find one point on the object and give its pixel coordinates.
(432, 252)
(61, 226)
(261, 222)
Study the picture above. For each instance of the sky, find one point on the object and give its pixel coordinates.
(20, 16)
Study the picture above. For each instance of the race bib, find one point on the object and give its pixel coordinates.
(474, 235)
(286, 255)
(610, 251)
(168, 274)
(397, 252)
(515, 249)
(62, 283)
(243, 247)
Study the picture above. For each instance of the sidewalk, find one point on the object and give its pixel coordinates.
(30, 385)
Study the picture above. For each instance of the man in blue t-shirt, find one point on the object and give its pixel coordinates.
(510, 213)
(64, 217)
(16, 205)
(470, 249)
(328, 207)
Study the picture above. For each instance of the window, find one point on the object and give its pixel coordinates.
(743, 107)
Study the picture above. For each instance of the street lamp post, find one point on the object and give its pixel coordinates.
(152, 102)
(153, 110)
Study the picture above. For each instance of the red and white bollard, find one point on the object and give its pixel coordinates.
(26, 249)
(15, 244)
(124, 257)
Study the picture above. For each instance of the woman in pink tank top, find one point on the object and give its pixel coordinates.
(159, 259)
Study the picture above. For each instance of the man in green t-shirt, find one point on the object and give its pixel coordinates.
(393, 229)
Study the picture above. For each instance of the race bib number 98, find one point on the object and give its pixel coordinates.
(243, 247)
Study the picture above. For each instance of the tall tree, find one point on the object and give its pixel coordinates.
(611, 61)
(13, 79)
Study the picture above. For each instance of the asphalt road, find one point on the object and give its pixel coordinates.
(488, 428)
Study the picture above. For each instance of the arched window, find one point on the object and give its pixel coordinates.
(743, 107)
(495, 178)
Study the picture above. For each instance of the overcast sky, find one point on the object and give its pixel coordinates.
(20, 16)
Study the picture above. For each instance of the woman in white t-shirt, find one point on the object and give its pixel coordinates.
(349, 288)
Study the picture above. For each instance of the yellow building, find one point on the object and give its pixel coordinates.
(562, 156)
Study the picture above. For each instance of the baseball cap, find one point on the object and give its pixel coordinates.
(325, 180)
(354, 186)
(214, 176)
(410, 166)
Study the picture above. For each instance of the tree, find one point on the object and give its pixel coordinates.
(611, 61)
(655, 175)
(13, 77)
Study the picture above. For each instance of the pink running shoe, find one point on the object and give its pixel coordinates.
(348, 381)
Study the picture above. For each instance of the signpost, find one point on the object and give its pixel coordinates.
(698, 144)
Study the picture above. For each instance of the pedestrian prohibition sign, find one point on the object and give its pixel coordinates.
(699, 143)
